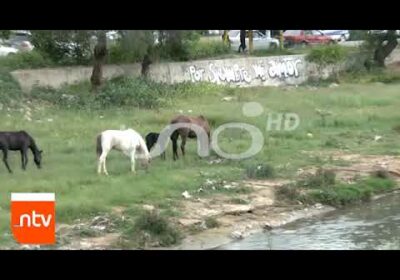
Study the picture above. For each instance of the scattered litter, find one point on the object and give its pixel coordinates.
(228, 98)
(185, 194)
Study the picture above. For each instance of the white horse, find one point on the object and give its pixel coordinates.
(127, 141)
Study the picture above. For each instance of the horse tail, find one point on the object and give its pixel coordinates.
(99, 148)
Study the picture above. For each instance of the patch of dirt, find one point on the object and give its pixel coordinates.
(359, 165)
(263, 212)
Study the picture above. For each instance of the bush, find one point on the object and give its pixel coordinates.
(131, 92)
(358, 35)
(64, 47)
(121, 91)
(327, 55)
(197, 50)
(9, 89)
(117, 55)
(344, 194)
(23, 60)
(260, 171)
(322, 178)
(151, 227)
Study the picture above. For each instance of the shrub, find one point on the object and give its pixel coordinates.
(260, 171)
(23, 60)
(327, 55)
(150, 227)
(322, 178)
(9, 89)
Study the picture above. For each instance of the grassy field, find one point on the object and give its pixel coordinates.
(359, 112)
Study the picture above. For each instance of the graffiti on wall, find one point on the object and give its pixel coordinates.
(273, 69)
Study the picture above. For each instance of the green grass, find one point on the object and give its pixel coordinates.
(359, 112)
(344, 194)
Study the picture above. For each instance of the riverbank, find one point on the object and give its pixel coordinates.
(265, 211)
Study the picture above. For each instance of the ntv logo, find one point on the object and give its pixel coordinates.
(275, 121)
(33, 218)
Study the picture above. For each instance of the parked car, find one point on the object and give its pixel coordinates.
(260, 41)
(20, 40)
(381, 32)
(306, 37)
(337, 35)
(4, 50)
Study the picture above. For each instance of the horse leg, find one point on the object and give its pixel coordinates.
(26, 157)
(23, 159)
(99, 163)
(183, 143)
(102, 162)
(5, 155)
(133, 162)
(174, 139)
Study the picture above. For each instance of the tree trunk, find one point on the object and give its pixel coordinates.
(383, 51)
(146, 65)
(250, 41)
(100, 54)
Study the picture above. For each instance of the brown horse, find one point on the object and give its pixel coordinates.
(185, 132)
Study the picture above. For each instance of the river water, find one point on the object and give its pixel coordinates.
(372, 226)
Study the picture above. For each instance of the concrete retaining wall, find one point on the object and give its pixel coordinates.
(243, 72)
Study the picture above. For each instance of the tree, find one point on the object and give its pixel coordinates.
(138, 45)
(100, 54)
(383, 49)
(250, 41)
(5, 34)
(381, 45)
(64, 46)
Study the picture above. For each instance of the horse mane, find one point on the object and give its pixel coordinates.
(32, 145)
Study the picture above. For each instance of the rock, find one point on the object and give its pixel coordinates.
(148, 207)
(200, 190)
(189, 222)
(30, 247)
(234, 209)
(203, 225)
(318, 205)
(333, 85)
(237, 235)
(216, 161)
(267, 226)
(186, 195)
(210, 182)
(228, 187)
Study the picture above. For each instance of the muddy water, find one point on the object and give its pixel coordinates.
(375, 225)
